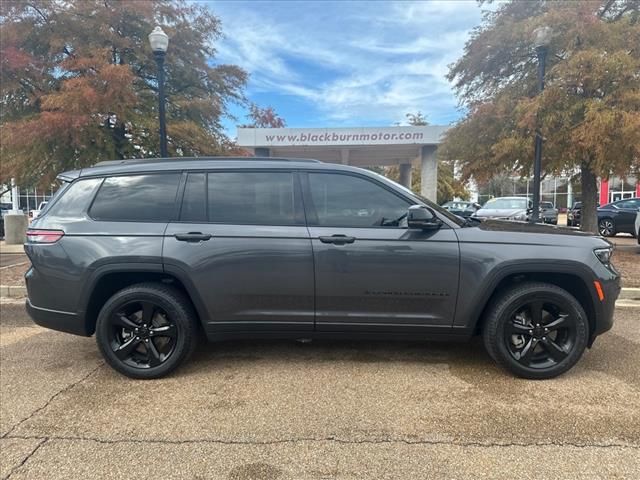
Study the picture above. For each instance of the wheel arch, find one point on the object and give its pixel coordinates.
(575, 281)
(107, 280)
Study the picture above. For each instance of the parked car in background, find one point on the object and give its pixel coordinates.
(462, 209)
(618, 217)
(638, 226)
(506, 208)
(36, 213)
(548, 213)
(573, 215)
(151, 254)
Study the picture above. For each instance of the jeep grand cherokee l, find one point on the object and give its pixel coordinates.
(150, 254)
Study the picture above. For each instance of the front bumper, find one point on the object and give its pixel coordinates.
(605, 309)
(57, 320)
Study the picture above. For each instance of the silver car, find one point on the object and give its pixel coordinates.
(506, 208)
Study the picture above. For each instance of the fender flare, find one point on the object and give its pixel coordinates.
(152, 266)
(515, 267)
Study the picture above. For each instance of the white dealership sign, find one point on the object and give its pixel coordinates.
(311, 137)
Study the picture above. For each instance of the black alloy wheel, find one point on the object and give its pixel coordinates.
(540, 334)
(147, 330)
(535, 330)
(142, 334)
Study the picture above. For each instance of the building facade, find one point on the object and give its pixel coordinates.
(562, 191)
(361, 147)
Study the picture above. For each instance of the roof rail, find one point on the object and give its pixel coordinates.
(185, 159)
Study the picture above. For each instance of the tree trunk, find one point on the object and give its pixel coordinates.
(119, 139)
(588, 215)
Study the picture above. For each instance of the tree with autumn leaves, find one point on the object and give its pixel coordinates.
(589, 112)
(78, 84)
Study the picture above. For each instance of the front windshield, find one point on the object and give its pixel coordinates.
(507, 204)
(456, 205)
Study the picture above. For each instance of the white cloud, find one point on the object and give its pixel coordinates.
(353, 64)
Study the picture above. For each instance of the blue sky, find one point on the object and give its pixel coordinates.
(346, 63)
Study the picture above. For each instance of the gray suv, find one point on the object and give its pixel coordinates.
(149, 255)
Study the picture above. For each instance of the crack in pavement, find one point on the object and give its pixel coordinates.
(345, 441)
(48, 402)
(35, 449)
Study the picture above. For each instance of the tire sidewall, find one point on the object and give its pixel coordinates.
(566, 301)
(170, 305)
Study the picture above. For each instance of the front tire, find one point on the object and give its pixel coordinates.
(606, 227)
(147, 330)
(536, 330)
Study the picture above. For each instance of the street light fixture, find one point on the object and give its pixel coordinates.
(542, 38)
(159, 43)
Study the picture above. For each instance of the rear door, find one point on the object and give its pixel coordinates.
(371, 272)
(241, 244)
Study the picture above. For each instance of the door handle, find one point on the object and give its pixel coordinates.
(192, 237)
(337, 239)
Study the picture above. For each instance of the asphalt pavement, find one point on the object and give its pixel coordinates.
(325, 410)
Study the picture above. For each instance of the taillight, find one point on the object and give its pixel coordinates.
(39, 235)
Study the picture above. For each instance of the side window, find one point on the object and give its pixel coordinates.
(629, 204)
(348, 201)
(194, 201)
(143, 198)
(74, 200)
(251, 198)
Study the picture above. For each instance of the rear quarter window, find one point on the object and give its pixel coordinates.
(73, 201)
(142, 198)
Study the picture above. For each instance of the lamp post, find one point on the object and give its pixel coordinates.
(542, 37)
(159, 43)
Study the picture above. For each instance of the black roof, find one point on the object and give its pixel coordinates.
(140, 165)
(202, 159)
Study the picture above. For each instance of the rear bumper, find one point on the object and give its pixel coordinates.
(57, 320)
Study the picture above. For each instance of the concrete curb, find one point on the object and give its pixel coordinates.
(11, 249)
(13, 291)
(629, 294)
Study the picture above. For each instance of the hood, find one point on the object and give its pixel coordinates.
(526, 227)
(500, 212)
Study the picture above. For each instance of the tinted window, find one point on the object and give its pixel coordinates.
(194, 202)
(348, 201)
(628, 204)
(74, 199)
(507, 203)
(254, 198)
(145, 198)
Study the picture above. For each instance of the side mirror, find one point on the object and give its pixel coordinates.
(421, 218)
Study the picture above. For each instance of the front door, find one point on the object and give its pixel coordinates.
(242, 243)
(371, 272)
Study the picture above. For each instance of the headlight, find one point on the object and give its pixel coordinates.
(604, 255)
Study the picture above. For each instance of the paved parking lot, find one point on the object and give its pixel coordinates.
(256, 410)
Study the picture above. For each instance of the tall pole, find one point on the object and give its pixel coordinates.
(159, 55)
(537, 163)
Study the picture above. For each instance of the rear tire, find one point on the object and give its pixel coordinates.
(147, 330)
(536, 330)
